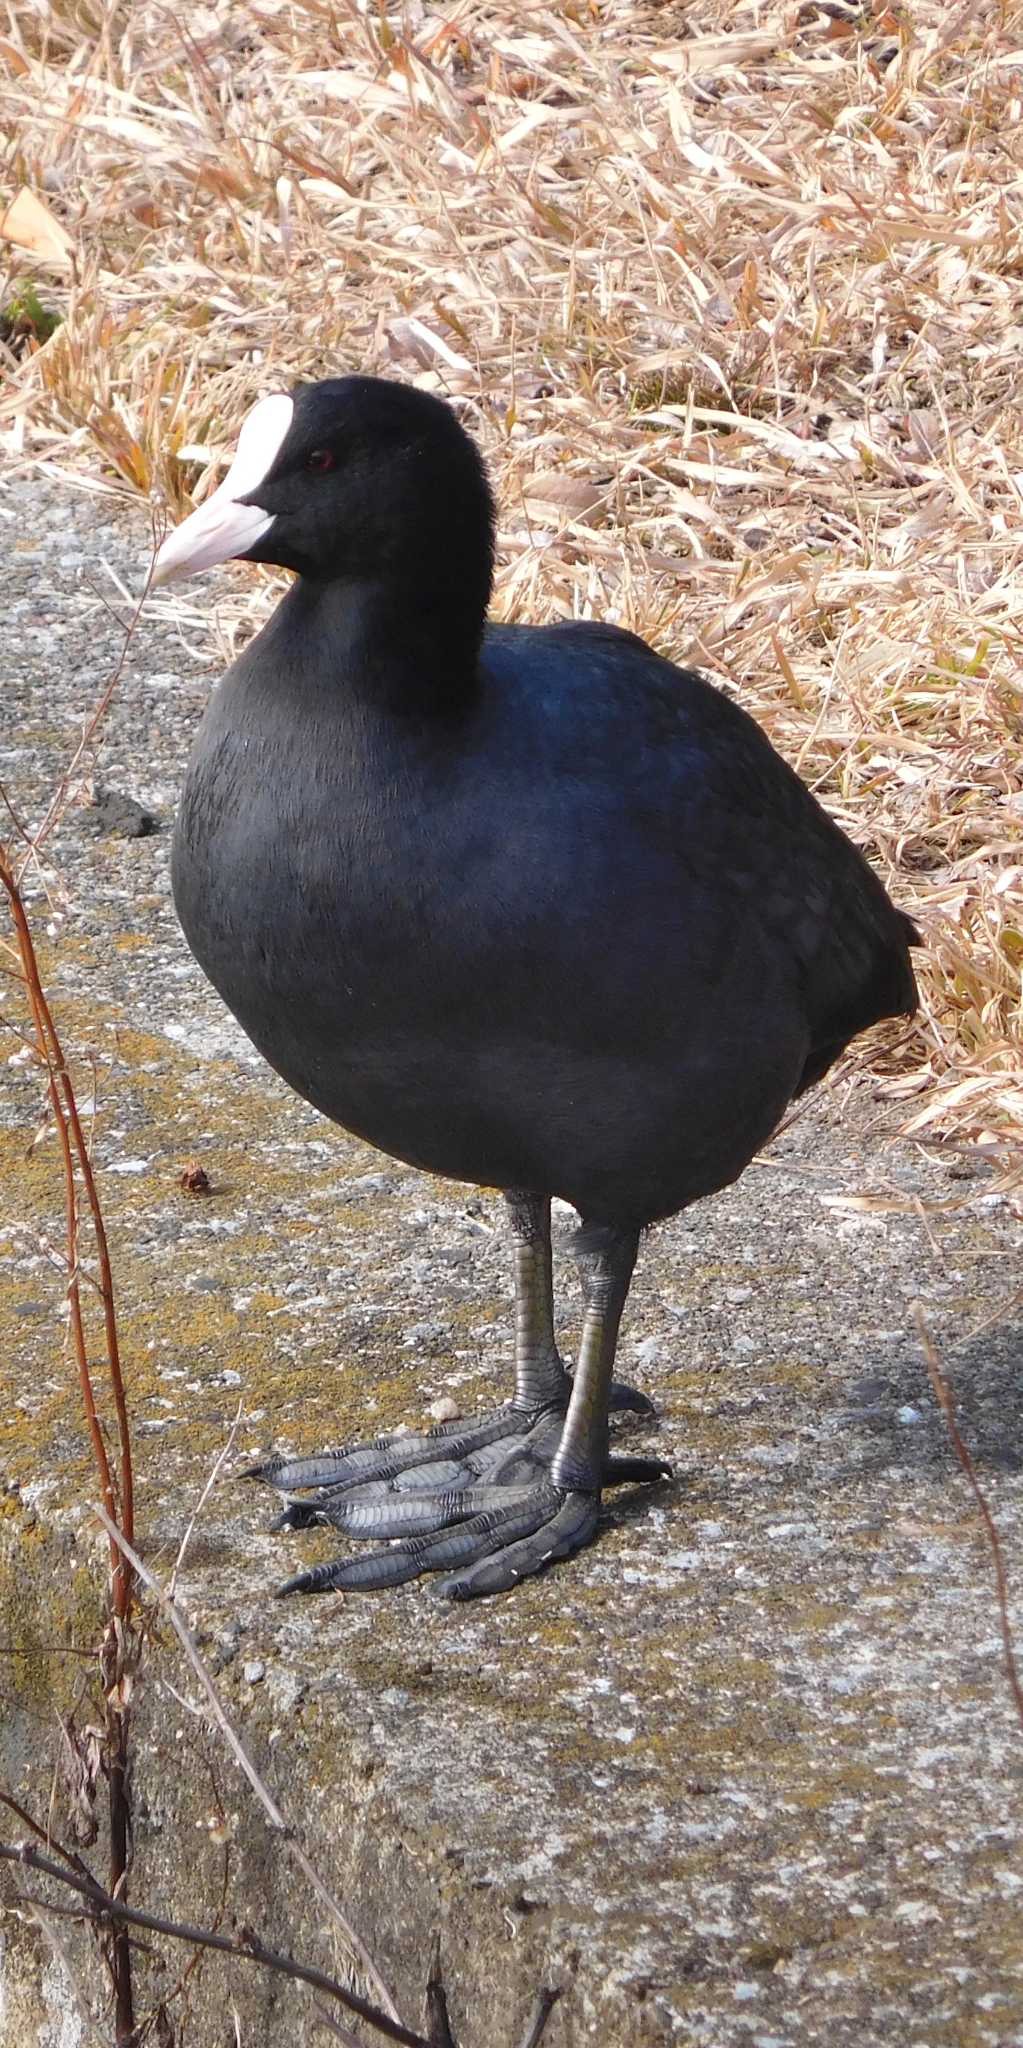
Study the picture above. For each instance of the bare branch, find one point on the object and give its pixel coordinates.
(945, 1397)
(537, 2027)
(42, 1834)
(44, 1917)
(353, 1941)
(74, 1150)
(248, 1948)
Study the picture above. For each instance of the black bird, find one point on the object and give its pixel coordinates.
(523, 905)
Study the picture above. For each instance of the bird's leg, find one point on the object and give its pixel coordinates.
(582, 1455)
(409, 1481)
(541, 1381)
(540, 1378)
(539, 1495)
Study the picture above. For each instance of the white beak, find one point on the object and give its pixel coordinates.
(221, 527)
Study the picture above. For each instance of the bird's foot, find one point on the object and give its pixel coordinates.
(477, 1496)
(515, 1443)
(448, 1458)
(493, 1536)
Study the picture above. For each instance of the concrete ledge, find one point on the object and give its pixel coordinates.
(745, 1773)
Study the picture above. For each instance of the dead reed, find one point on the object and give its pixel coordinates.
(732, 292)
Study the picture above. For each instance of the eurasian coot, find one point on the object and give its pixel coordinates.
(524, 905)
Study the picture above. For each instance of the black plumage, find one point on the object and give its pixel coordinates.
(526, 906)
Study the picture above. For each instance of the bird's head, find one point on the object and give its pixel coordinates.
(356, 479)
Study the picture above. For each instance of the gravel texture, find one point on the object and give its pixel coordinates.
(746, 1774)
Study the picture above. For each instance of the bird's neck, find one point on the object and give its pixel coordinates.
(404, 648)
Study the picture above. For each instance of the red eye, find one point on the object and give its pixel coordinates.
(321, 459)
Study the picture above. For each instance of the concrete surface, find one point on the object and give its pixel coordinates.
(746, 1774)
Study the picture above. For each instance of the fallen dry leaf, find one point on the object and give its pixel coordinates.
(29, 224)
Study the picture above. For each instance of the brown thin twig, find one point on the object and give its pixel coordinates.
(249, 1948)
(335, 2026)
(537, 2024)
(21, 1813)
(996, 1316)
(48, 1650)
(74, 1151)
(945, 1397)
(45, 1916)
(116, 1480)
(117, 1487)
(215, 1473)
(266, 1799)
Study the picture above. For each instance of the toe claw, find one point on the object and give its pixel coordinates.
(626, 1400)
(321, 1579)
(299, 1514)
(618, 1470)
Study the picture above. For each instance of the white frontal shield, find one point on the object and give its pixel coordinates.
(221, 527)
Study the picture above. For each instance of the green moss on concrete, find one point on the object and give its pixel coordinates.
(51, 1614)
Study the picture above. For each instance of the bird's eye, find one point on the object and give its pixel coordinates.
(320, 460)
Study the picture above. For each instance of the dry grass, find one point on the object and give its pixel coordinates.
(733, 295)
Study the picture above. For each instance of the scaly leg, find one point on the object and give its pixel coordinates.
(542, 1389)
(492, 1472)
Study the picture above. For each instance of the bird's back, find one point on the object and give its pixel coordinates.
(755, 851)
